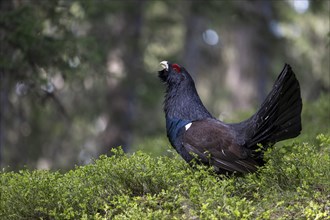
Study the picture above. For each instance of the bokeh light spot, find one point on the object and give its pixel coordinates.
(210, 37)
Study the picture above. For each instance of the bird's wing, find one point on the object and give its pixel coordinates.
(214, 142)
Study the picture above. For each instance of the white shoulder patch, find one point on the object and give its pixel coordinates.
(187, 126)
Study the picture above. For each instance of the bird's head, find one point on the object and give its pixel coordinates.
(172, 73)
(181, 98)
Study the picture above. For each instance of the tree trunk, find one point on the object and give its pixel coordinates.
(250, 54)
(121, 99)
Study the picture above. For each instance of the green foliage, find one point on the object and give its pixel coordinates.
(294, 184)
(77, 74)
(316, 117)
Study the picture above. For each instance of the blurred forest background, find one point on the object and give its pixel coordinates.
(79, 77)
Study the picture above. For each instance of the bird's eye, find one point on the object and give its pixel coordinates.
(176, 67)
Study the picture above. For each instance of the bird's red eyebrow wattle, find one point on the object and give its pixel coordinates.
(176, 67)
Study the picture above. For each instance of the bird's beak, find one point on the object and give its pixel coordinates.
(164, 65)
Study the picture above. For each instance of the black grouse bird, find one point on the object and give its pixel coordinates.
(236, 147)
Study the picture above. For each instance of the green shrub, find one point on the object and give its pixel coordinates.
(294, 184)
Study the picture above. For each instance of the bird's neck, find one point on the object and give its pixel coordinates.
(182, 102)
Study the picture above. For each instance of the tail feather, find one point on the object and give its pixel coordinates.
(279, 117)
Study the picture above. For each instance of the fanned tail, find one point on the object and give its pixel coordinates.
(279, 117)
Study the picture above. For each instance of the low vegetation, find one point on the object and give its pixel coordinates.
(294, 184)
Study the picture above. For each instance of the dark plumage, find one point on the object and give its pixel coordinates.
(228, 147)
